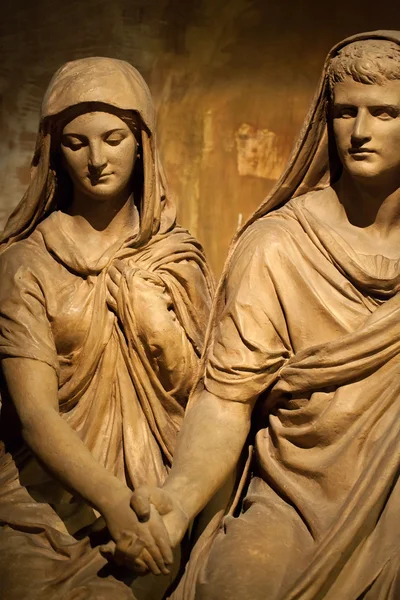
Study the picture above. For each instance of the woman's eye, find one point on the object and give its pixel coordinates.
(73, 144)
(347, 114)
(114, 141)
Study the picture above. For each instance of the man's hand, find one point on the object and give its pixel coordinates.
(175, 520)
(142, 547)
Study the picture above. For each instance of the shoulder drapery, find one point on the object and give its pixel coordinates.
(53, 309)
(311, 329)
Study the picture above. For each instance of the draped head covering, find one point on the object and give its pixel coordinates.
(313, 165)
(90, 84)
(299, 449)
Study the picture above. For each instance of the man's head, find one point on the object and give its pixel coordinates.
(364, 83)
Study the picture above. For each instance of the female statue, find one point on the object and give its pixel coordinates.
(103, 305)
(303, 357)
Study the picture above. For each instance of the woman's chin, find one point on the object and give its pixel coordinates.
(102, 192)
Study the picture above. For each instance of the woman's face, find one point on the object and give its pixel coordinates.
(366, 124)
(99, 153)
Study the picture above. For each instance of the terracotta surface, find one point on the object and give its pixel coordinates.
(104, 302)
(231, 81)
(300, 392)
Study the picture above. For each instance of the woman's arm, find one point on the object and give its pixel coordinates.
(148, 313)
(33, 388)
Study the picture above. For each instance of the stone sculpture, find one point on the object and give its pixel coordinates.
(302, 362)
(103, 306)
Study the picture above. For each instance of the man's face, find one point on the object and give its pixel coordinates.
(366, 124)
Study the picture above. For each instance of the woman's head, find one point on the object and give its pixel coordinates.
(98, 127)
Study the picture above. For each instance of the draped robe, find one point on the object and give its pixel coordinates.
(120, 388)
(311, 328)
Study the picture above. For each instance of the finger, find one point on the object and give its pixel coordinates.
(150, 544)
(119, 265)
(127, 549)
(156, 544)
(114, 275)
(106, 552)
(141, 567)
(154, 562)
(140, 502)
(158, 537)
(161, 537)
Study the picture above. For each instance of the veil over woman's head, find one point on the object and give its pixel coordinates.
(87, 85)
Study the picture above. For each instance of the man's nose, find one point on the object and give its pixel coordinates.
(361, 131)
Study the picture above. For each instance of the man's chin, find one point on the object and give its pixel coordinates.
(365, 173)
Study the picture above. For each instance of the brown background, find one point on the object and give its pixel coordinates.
(231, 81)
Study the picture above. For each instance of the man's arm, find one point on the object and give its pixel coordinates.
(209, 446)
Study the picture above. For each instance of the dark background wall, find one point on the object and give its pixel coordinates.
(231, 81)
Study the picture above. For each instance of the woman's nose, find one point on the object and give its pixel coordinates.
(97, 158)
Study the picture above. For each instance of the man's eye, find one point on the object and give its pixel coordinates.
(385, 114)
(344, 112)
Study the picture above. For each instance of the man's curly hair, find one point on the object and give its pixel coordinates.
(366, 61)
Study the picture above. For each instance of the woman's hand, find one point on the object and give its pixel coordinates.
(119, 269)
(146, 499)
(142, 547)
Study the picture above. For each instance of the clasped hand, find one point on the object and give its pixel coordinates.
(146, 535)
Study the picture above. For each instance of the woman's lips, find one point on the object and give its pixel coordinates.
(99, 179)
(361, 151)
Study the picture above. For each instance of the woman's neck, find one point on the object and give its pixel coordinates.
(105, 218)
(97, 225)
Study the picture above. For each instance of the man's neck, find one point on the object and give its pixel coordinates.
(372, 204)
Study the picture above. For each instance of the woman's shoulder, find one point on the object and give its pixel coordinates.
(28, 253)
